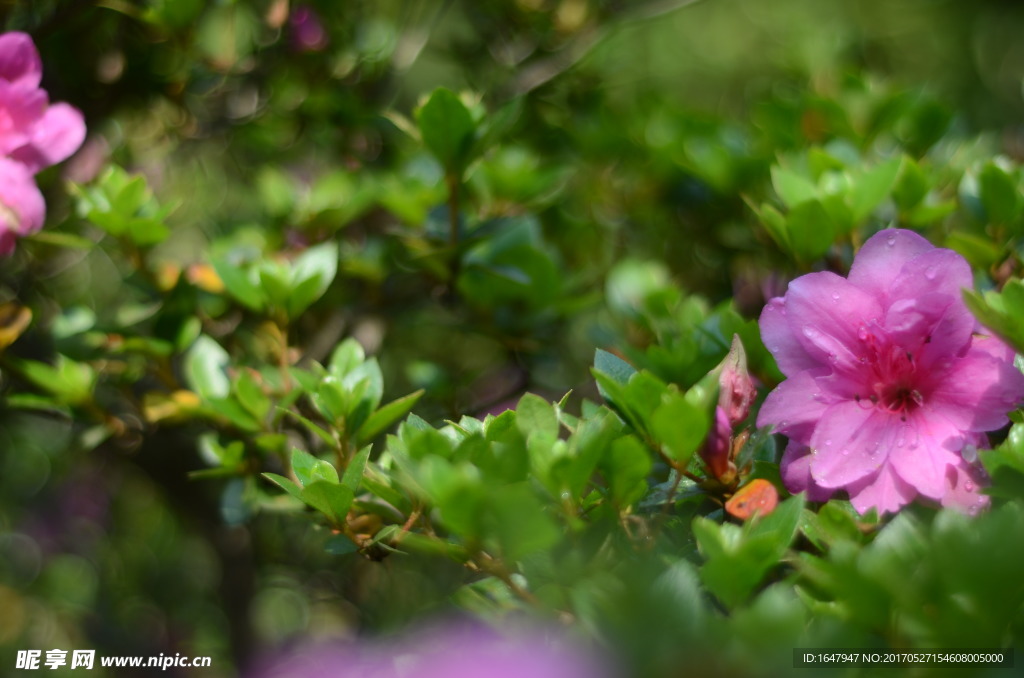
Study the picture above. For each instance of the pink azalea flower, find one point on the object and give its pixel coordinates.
(33, 136)
(446, 653)
(22, 209)
(32, 131)
(888, 381)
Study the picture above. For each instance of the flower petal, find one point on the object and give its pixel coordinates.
(880, 259)
(851, 442)
(780, 340)
(22, 209)
(19, 60)
(795, 405)
(964, 484)
(977, 392)
(886, 492)
(55, 136)
(826, 313)
(925, 447)
(796, 473)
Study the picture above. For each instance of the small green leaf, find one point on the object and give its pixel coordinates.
(447, 128)
(205, 367)
(308, 468)
(354, 471)
(794, 189)
(387, 415)
(312, 273)
(285, 484)
(331, 499)
(536, 417)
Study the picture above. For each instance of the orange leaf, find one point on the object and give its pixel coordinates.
(756, 497)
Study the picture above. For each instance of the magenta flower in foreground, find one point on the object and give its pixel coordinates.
(33, 135)
(470, 652)
(888, 382)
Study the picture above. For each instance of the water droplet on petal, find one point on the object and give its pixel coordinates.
(845, 451)
(891, 240)
(900, 442)
(827, 443)
(835, 296)
(968, 486)
(973, 510)
(931, 272)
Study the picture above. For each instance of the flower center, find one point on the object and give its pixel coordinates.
(890, 376)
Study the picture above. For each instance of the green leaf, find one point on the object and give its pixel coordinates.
(911, 186)
(536, 417)
(681, 426)
(872, 187)
(205, 368)
(1002, 312)
(330, 498)
(354, 471)
(346, 357)
(309, 469)
(238, 283)
(312, 273)
(251, 396)
(310, 426)
(626, 468)
(447, 129)
(794, 189)
(387, 415)
(811, 230)
(519, 522)
(285, 484)
(612, 365)
(999, 194)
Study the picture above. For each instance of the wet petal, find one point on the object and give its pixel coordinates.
(796, 402)
(977, 392)
(796, 473)
(925, 447)
(886, 492)
(851, 442)
(963, 492)
(827, 313)
(881, 258)
(778, 336)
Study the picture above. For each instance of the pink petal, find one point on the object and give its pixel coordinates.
(21, 109)
(56, 135)
(796, 473)
(880, 259)
(936, 271)
(977, 392)
(994, 346)
(933, 327)
(963, 493)
(886, 492)
(795, 404)
(851, 441)
(19, 60)
(781, 342)
(926, 446)
(826, 313)
(22, 209)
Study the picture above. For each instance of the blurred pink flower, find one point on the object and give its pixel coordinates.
(33, 136)
(307, 31)
(22, 209)
(460, 652)
(32, 131)
(888, 381)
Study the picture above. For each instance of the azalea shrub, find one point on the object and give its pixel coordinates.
(354, 339)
